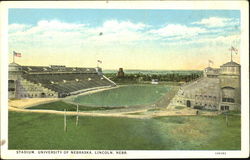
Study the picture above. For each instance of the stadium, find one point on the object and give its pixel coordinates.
(74, 86)
(125, 80)
(80, 108)
(218, 89)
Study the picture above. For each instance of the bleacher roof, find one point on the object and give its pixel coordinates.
(40, 69)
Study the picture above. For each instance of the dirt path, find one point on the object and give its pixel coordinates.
(141, 114)
(80, 113)
(24, 103)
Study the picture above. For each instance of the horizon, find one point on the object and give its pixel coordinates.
(138, 39)
(124, 69)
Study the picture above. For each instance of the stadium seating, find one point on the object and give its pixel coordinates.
(66, 83)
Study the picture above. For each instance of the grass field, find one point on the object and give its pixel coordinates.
(45, 131)
(125, 96)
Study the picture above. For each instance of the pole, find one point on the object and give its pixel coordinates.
(77, 116)
(227, 120)
(231, 56)
(13, 58)
(65, 121)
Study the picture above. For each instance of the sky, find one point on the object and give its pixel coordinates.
(146, 39)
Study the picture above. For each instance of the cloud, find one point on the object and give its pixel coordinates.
(42, 28)
(177, 30)
(114, 25)
(218, 22)
(45, 34)
(62, 36)
(18, 27)
(58, 25)
(114, 30)
(55, 33)
(119, 31)
(217, 41)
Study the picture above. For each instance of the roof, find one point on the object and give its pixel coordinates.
(230, 64)
(46, 69)
(13, 64)
(209, 68)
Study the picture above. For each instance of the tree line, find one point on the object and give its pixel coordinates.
(169, 77)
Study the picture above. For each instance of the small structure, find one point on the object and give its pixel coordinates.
(120, 73)
(155, 81)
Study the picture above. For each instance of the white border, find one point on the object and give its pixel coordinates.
(237, 5)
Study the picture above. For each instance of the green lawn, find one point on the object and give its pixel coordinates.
(125, 96)
(45, 131)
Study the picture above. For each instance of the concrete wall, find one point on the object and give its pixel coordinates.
(26, 89)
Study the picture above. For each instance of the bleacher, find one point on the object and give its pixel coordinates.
(53, 69)
(202, 82)
(204, 86)
(66, 80)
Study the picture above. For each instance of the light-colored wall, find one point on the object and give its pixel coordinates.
(26, 89)
(228, 77)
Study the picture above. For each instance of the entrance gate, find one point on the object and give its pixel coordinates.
(188, 103)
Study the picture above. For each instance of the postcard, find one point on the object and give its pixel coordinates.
(124, 79)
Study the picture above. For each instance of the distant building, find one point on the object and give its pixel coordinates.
(120, 73)
(218, 89)
(211, 72)
(155, 81)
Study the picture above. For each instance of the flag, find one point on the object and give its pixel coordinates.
(99, 61)
(210, 61)
(234, 49)
(16, 54)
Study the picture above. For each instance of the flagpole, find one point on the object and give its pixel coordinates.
(231, 56)
(13, 58)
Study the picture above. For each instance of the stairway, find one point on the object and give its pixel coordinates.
(28, 89)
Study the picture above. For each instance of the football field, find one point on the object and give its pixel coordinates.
(129, 95)
(117, 98)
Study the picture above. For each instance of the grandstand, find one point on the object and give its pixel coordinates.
(218, 89)
(204, 92)
(54, 81)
